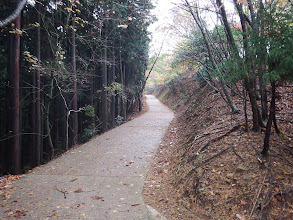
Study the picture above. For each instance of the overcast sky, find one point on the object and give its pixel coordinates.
(165, 16)
(160, 28)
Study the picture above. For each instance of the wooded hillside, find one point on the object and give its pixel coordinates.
(228, 154)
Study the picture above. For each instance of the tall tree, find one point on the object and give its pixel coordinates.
(37, 104)
(13, 98)
(226, 95)
(74, 99)
(105, 80)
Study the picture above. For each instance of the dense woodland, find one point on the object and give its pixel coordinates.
(68, 71)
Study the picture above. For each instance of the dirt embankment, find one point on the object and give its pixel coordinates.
(208, 167)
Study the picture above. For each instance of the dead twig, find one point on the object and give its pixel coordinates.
(235, 152)
(275, 194)
(235, 128)
(283, 209)
(64, 192)
(265, 203)
(206, 161)
(257, 196)
(199, 136)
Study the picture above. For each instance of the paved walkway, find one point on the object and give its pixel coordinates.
(102, 179)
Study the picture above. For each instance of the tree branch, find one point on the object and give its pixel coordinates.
(14, 15)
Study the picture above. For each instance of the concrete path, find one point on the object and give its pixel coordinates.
(102, 179)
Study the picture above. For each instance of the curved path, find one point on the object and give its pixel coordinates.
(102, 179)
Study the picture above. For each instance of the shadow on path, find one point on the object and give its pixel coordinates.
(102, 179)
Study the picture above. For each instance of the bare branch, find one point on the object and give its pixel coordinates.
(14, 15)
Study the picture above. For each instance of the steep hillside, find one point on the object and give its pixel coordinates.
(208, 167)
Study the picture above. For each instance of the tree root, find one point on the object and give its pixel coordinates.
(269, 199)
(235, 128)
(206, 161)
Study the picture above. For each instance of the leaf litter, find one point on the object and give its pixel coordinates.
(214, 183)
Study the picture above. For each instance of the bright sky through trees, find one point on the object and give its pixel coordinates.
(160, 29)
(166, 12)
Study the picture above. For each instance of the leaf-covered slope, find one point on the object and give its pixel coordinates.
(208, 167)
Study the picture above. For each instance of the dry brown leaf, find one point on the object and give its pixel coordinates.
(20, 212)
(79, 190)
(73, 180)
(97, 197)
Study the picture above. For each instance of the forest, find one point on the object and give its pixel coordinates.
(69, 70)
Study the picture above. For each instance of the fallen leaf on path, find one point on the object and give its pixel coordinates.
(20, 212)
(53, 216)
(135, 205)
(73, 180)
(79, 190)
(97, 197)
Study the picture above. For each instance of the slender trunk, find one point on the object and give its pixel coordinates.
(254, 107)
(262, 60)
(149, 73)
(124, 96)
(67, 131)
(266, 145)
(13, 100)
(274, 115)
(275, 123)
(139, 103)
(33, 146)
(122, 81)
(250, 78)
(116, 107)
(64, 126)
(113, 104)
(47, 122)
(56, 122)
(229, 34)
(104, 91)
(245, 107)
(74, 100)
(38, 127)
(252, 13)
(229, 99)
(211, 56)
(264, 98)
